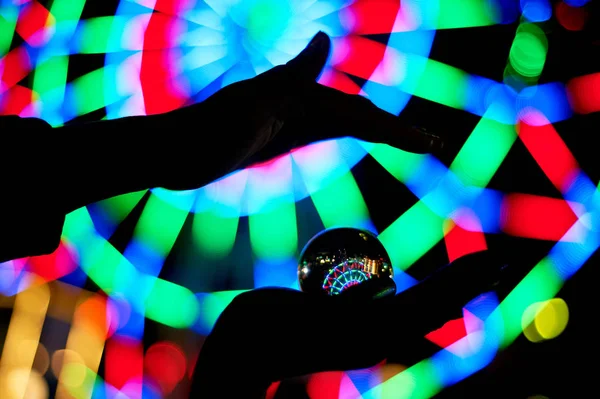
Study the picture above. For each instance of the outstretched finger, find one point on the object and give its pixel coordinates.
(334, 114)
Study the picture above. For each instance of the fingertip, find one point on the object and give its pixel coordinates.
(310, 62)
(320, 41)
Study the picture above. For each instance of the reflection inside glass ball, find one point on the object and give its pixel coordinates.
(337, 260)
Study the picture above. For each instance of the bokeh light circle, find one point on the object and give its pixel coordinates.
(545, 320)
(68, 366)
(166, 364)
(26, 383)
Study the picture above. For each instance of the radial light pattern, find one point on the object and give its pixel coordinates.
(344, 276)
(245, 230)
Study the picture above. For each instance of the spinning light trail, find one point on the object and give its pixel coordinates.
(160, 55)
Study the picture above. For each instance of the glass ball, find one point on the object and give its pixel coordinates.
(340, 260)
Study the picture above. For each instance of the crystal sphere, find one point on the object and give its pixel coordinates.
(346, 260)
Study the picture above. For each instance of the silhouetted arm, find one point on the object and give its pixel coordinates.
(48, 172)
(109, 158)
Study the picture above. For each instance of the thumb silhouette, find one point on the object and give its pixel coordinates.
(307, 65)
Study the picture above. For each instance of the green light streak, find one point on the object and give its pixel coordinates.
(214, 234)
(483, 152)
(400, 164)
(109, 269)
(341, 204)
(273, 232)
(88, 92)
(51, 75)
(408, 384)
(435, 81)
(49, 80)
(413, 234)
(8, 23)
(172, 305)
(452, 14)
(214, 303)
(93, 35)
(117, 208)
(541, 284)
(160, 224)
(67, 10)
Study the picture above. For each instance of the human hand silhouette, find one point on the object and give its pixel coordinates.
(242, 124)
(289, 333)
(255, 120)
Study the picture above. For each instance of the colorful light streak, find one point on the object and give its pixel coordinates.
(197, 52)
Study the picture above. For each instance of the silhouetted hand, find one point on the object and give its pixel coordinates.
(257, 119)
(244, 123)
(268, 334)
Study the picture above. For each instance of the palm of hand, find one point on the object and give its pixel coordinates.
(258, 119)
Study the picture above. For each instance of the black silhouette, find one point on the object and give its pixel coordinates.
(266, 334)
(244, 123)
